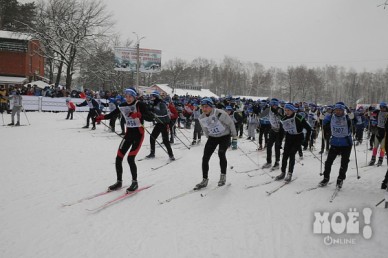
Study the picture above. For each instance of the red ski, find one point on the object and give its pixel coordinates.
(119, 198)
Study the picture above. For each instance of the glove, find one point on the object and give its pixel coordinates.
(234, 143)
(135, 115)
(99, 118)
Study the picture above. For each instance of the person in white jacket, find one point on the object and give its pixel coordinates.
(218, 127)
(17, 102)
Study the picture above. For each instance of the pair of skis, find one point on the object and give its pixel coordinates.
(193, 191)
(284, 183)
(108, 203)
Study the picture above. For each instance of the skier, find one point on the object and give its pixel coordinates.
(17, 106)
(265, 124)
(218, 127)
(253, 122)
(134, 112)
(162, 121)
(94, 110)
(276, 133)
(197, 125)
(173, 114)
(382, 121)
(359, 124)
(340, 143)
(236, 118)
(70, 109)
(293, 125)
(326, 133)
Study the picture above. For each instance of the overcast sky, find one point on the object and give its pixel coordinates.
(280, 33)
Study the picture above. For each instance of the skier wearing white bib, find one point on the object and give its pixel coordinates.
(218, 127)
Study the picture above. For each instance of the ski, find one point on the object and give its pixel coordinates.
(259, 184)
(262, 174)
(165, 164)
(87, 198)
(246, 171)
(310, 188)
(214, 188)
(334, 194)
(179, 195)
(280, 186)
(119, 198)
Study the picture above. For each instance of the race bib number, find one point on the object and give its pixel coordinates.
(213, 125)
(127, 111)
(289, 126)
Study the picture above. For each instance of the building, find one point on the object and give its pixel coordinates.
(20, 61)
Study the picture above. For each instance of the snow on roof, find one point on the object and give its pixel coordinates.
(251, 97)
(183, 92)
(39, 84)
(12, 80)
(14, 35)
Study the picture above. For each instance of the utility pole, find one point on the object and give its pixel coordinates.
(138, 60)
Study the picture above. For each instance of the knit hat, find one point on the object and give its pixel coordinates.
(207, 101)
(274, 101)
(132, 92)
(291, 107)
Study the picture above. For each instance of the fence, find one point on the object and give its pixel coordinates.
(34, 103)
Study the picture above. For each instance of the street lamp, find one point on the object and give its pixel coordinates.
(138, 59)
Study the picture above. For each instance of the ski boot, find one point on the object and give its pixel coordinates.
(17, 124)
(281, 176)
(201, 185)
(260, 147)
(266, 165)
(115, 186)
(384, 185)
(194, 142)
(86, 126)
(339, 183)
(248, 138)
(288, 177)
(275, 166)
(324, 182)
(11, 124)
(133, 186)
(380, 161)
(172, 158)
(93, 128)
(150, 156)
(222, 180)
(372, 161)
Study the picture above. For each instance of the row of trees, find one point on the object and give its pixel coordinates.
(78, 40)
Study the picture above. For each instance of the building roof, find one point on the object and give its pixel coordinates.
(12, 80)
(183, 92)
(14, 35)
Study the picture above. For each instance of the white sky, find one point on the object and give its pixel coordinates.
(350, 33)
(280, 33)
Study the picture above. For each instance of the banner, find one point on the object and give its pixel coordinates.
(126, 60)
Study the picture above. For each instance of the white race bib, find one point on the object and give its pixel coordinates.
(127, 111)
(213, 125)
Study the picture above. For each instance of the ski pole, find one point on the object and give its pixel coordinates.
(322, 141)
(157, 118)
(182, 134)
(182, 142)
(25, 113)
(355, 151)
(2, 117)
(155, 139)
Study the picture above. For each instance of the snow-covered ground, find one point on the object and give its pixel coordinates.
(53, 161)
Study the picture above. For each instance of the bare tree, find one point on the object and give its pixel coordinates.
(66, 27)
